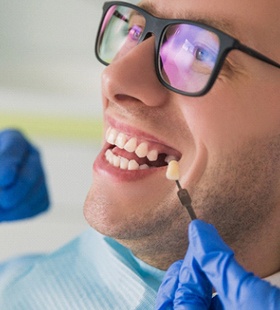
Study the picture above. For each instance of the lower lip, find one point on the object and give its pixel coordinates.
(103, 167)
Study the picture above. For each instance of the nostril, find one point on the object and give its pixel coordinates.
(123, 98)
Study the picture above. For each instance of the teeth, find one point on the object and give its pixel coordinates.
(116, 161)
(123, 163)
(107, 133)
(109, 156)
(143, 167)
(131, 145)
(119, 139)
(152, 155)
(142, 150)
(133, 165)
(111, 136)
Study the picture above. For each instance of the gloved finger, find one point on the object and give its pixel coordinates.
(194, 290)
(13, 148)
(28, 175)
(36, 201)
(235, 286)
(166, 292)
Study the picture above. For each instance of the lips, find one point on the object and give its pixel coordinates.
(134, 153)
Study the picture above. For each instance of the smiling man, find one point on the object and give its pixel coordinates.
(227, 141)
(193, 80)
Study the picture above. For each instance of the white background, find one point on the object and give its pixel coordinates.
(48, 68)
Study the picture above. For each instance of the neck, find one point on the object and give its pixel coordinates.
(260, 253)
(160, 250)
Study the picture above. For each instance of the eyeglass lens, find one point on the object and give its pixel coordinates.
(187, 53)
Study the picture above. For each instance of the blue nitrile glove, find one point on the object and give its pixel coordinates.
(209, 262)
(23, 190)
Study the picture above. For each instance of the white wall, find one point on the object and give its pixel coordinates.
(48, 72)
(47, 47)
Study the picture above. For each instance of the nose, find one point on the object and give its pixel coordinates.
(132, 77)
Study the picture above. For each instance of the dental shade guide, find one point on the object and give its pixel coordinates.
(173, 174)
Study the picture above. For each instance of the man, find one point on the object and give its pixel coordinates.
(184, 90)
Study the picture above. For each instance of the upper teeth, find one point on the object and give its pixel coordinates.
(130, 145)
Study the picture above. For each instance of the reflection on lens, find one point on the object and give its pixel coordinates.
(120, 31)
(187, 52)
(188, 55)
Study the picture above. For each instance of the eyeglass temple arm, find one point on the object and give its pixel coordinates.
(256, 54)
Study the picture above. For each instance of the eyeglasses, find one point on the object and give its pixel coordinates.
(188, 54)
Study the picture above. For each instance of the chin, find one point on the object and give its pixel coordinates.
(114, 213)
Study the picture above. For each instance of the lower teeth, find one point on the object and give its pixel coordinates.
(123, 163)
(126, 164)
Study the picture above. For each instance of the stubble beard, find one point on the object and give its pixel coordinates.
(240, 194)
(157, 236)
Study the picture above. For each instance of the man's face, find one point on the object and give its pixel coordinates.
(227, 142)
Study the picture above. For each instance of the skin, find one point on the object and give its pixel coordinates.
(229, 140)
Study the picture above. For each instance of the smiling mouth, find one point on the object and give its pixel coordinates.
(133, 153)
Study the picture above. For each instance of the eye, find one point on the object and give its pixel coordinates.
(203, 54)
(135, 33)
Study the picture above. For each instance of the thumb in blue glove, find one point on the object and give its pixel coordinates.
(237, 288)
(184, 286)
(210, 263)
(23, 190)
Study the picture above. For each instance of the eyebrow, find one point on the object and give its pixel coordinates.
(222, 24)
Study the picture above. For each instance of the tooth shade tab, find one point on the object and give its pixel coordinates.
(172, 172)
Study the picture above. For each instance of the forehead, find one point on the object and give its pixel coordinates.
(221, 23)
(180, 8)
(239, 18)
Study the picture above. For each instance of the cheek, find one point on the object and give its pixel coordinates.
(212, 126)
(241, 115)
(262, 113)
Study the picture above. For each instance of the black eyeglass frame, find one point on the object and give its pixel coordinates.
(156, 26)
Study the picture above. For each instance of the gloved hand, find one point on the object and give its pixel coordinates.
(23, 191)
(209, 263)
